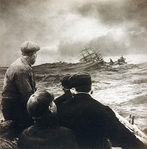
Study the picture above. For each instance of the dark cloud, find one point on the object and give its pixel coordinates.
(116, 12)
(106, 12)
(111, 26)
(128, 14)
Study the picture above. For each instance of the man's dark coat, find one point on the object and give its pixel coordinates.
(51, 136)
(94, 124)
(67, 95)
(19, 85)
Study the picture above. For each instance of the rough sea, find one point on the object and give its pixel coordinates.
(125, 89)
(122, 87)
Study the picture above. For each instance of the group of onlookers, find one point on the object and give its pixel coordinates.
(73, 120)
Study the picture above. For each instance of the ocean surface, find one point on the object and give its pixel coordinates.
(125, 89)
(122, 87)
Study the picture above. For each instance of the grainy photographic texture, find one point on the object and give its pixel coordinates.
(63, 28)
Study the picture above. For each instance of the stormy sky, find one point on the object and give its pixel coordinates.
(64, 27)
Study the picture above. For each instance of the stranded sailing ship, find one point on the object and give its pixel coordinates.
(90, 55)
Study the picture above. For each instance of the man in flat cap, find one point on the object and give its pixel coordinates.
(18, 86)
(66, 88)
(94, 124)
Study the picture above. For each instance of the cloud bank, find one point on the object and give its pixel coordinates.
(63, 28)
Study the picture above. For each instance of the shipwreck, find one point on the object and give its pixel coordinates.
(90, 55)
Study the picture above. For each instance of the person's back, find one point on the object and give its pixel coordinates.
(85, 117)
(45, 133)
(45, 138)
(19, 85)
(94, 124)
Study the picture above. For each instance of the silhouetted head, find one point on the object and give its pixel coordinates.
(81, 82)
(40, 104)
(65, 81)
(29, 50)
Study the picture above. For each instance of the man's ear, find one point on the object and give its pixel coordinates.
(50, 109)
(73, 90)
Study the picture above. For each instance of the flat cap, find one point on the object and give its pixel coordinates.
(80, 79)
(29, 47)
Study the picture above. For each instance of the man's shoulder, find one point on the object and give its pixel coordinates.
(101, 106)
(97, 107)
(37, 130)
(59, 97)
(18, 67)
(28, 129)
(17, 64)
(64, 131)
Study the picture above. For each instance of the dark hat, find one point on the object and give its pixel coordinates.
(29, 47)
(38, 103)
(80, 79)
(65, 81)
